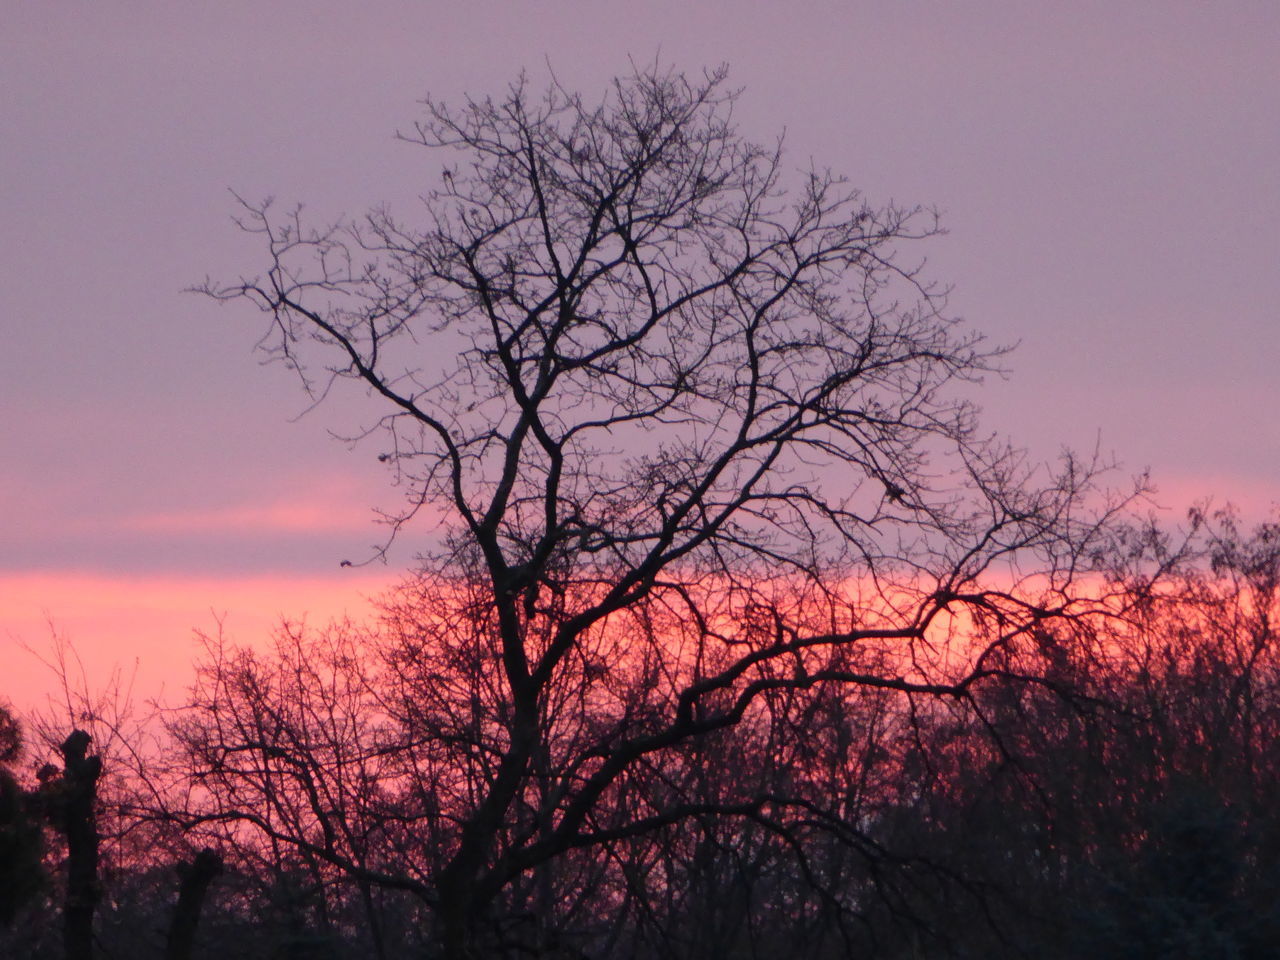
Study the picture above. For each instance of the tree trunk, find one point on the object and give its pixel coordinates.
(373, 919)
(454, 917)
(195, 878)
(80, 824)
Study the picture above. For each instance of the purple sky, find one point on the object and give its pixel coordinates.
(1109, 173)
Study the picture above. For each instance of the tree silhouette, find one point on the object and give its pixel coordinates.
(22, 875)
(694, 429)
(70, 800)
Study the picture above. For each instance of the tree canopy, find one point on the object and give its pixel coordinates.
(691, 424)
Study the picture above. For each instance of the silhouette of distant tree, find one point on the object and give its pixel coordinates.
(195, 876)
(694, 427)
(69, 798)
(22, 875)
(1132, 818)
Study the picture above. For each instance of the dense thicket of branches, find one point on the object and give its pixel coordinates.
(735, 637)
(1121, 809)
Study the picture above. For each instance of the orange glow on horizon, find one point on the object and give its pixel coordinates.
(145, 626)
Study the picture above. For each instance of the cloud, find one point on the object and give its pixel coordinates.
(292, 516)
(305, 527)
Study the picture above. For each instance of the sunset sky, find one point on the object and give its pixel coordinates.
(1109, 174)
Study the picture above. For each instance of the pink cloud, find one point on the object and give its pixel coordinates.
(281, 517)
(327, 504)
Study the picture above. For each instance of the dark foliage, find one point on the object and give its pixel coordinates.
(22, 876)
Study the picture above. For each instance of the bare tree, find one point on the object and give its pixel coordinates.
(694, 429)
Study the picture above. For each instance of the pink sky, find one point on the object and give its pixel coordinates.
(1108, 172)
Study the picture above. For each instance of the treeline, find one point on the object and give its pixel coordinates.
(1105, 787)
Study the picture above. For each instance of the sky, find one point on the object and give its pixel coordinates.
(1107, 173)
